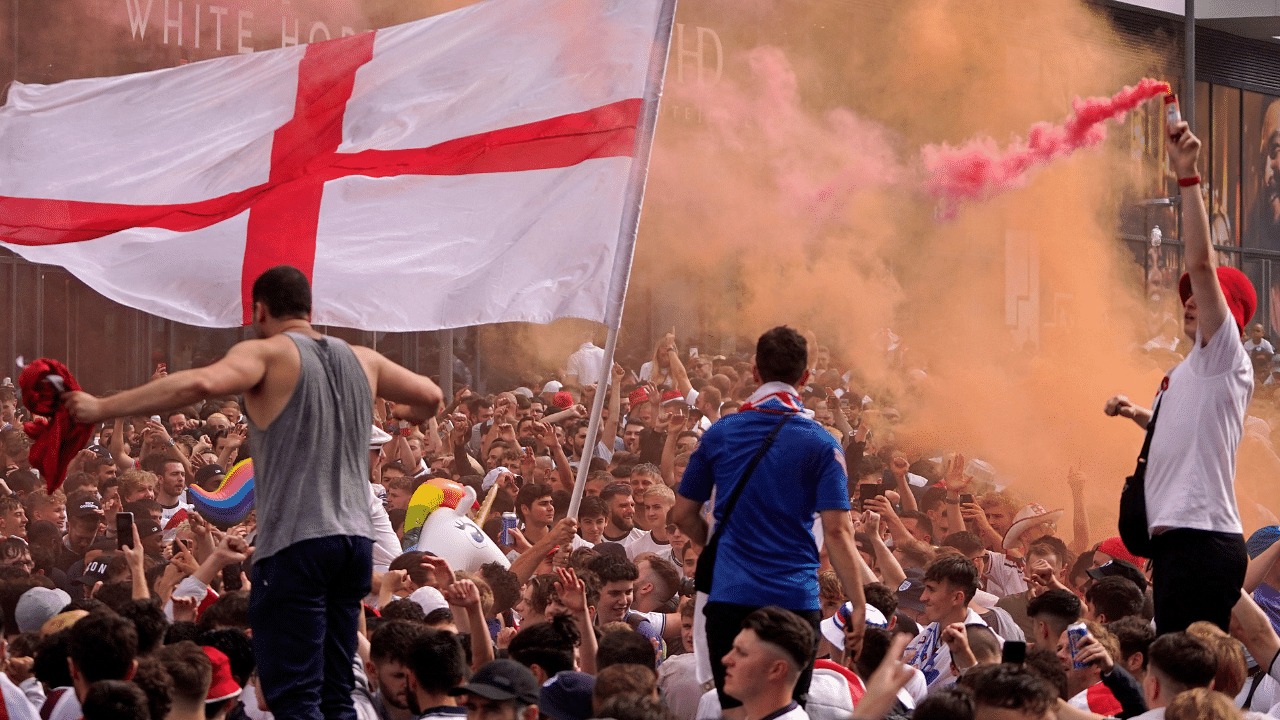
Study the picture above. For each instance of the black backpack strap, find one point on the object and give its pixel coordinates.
(746, 474)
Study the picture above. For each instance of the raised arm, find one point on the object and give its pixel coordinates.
(1121, 406)
(417, 398)
(679, 375)
(1210, 304)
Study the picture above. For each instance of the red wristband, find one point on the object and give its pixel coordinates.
(1189, 181)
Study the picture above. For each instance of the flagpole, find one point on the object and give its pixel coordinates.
(627, 236)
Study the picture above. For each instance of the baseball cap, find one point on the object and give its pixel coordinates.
(86, 508)
(552, 387)
(567, 696)
(210, 471)
(147, 526)
(223, 687)
(833, 627)
(428, 598)
(36, 606)
(911, 589)
(1119, 568)
(93, 572)
(502, 680)
(1114, 547)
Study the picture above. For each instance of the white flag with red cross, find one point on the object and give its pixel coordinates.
(472, 167)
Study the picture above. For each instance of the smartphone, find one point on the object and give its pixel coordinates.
(966, 499)
(1014, 651)
(124, 529)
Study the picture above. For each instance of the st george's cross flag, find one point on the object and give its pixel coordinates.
(474, 167)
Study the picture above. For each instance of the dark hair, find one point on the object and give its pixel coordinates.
(412, 562)
(881, 597)
(230, 610)
(964, 541)
(404, 609)
(1054, 544)
(181, 630)
(1044, 662)
(932, 498)
(438, 617)
(613, 490)
(103, 646)
(549, 645)
(285, 291)
(624, 647)
(191, 670)
(983, 642)
(394, 640)
(156, 682)
(782, 354)
(958, 572)
(50, 656)
(528, 495)
(875, 643)
(922, 521)
(613, 569)
(868, 465)
(593, 506)
(115, 700)
(541, 590)
(1011, 687)
(948, 703)
(1114, 598)
(1057, 608)
(504, 584)
(438, 661)
(155, 462)
(1183, 659)
(1134, 635)
(631, 706)
(785, 630)
(236, 646)
(148, 620)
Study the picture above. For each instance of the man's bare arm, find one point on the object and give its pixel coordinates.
(417, 398)
(243, 367)
(1121, 406)
(837, 530)
(1211, 304)
(688, 517)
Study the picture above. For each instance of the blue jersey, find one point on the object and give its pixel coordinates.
(767, 553)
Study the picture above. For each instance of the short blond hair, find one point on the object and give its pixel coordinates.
(659, 490)
(131, 481)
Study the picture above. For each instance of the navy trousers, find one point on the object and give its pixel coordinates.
(304, 609)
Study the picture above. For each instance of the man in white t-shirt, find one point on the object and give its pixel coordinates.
(1198, 552)
(950, 583)
(654, 502)
(583, 366)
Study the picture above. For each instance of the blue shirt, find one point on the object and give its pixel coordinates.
(767, 553)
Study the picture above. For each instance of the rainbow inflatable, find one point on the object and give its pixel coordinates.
(231, 503)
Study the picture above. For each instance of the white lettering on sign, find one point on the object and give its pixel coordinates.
(172, 23)
(347, 32)
(698, 53)
(285, 38)
(218, 11)
(318, 27)
(245, 33)
(138, 18)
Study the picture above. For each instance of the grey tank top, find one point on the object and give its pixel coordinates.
(311, 464)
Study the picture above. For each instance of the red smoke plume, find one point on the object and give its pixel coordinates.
(979, 169)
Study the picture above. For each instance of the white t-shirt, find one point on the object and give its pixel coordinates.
(1191, 467)
(585, 362)
(1004, 577)
(635, 534)
(1263, 344)
(645, 543)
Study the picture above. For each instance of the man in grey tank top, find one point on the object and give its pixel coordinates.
(309, 402)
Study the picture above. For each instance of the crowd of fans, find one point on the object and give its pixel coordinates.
(975, 605)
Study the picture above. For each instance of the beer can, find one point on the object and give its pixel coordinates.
(508, 522)
(1076, 633)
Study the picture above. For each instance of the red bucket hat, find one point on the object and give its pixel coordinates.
(1241, 297)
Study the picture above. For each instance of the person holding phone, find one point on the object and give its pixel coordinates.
(309, 402)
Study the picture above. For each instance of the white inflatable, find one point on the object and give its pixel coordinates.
(450, 534)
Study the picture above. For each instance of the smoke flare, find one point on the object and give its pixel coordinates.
(978, 169)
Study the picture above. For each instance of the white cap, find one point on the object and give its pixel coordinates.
(552, 387)
(429, 599)
(377, 438)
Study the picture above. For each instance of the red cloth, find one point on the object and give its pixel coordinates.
(57, 438)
